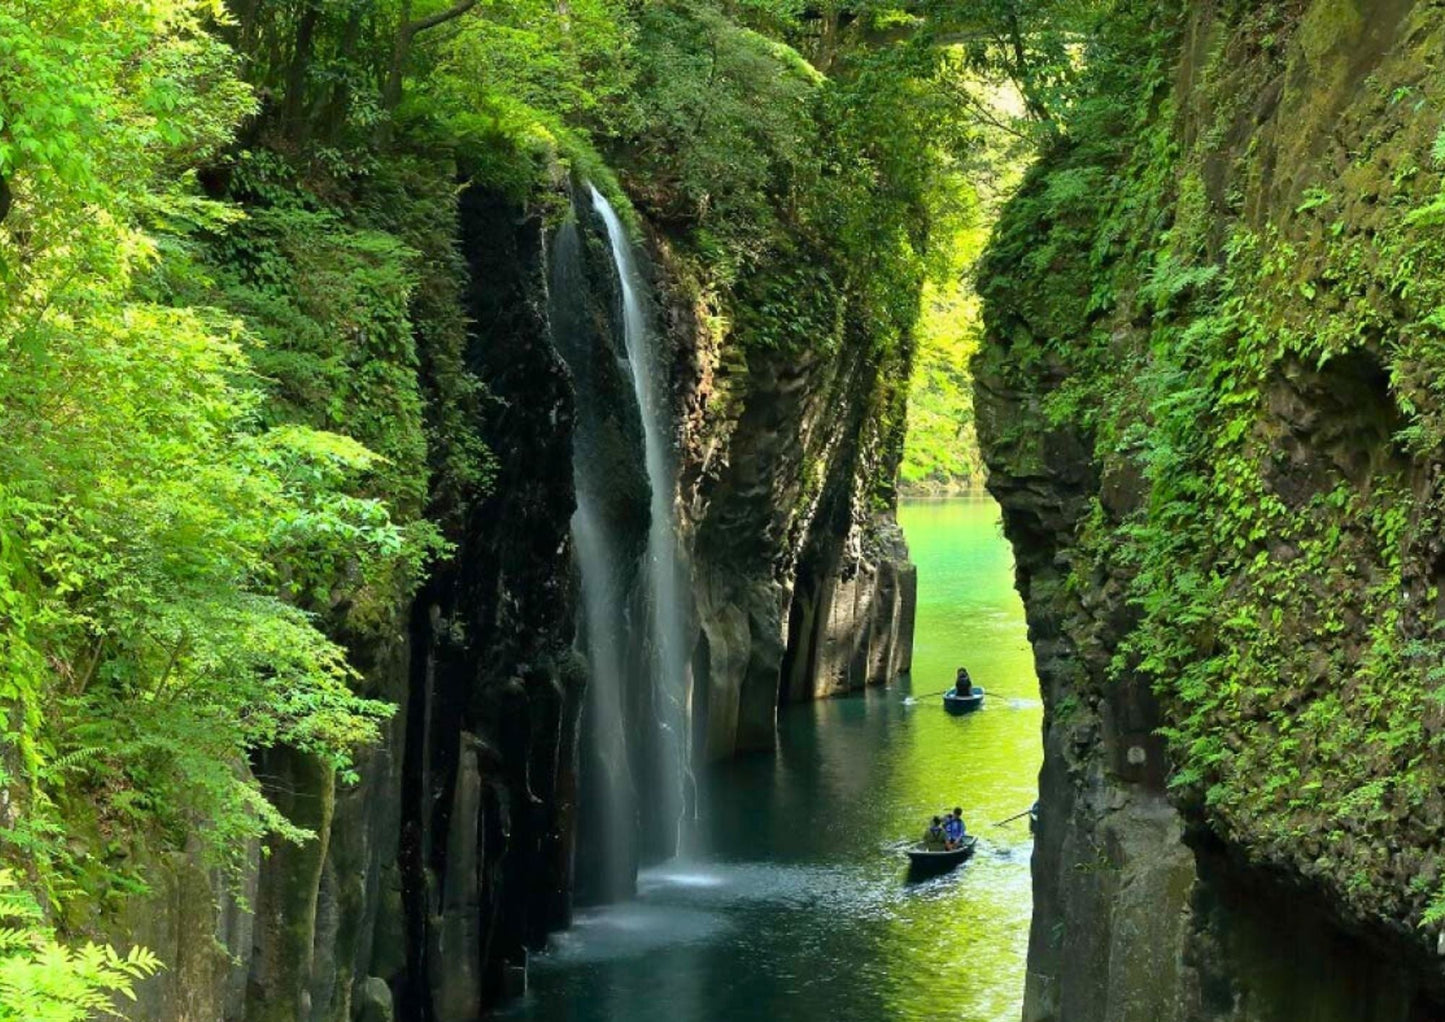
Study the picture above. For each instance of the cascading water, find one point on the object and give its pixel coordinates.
(671, 688)
(600, 548)
(635, 773)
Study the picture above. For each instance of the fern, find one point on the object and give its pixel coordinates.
(42, 980)
(1435, 912)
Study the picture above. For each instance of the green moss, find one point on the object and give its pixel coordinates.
(1268, 358)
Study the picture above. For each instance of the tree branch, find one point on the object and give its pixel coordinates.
(391, 94)
(456, 10)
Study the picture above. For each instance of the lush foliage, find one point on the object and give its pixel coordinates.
(44, 981)
(168, 524)
(941, 452)
(1264, 366)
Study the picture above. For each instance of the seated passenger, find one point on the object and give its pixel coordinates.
(933, 838)
(953, 829)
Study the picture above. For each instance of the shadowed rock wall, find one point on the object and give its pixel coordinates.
(1235, 876)
(803, 586)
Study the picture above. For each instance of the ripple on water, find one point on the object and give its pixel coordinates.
(789, 886)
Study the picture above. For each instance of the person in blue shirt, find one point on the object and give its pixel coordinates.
(953, 829)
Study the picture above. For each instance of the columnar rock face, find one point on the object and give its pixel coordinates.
(452, 854)
(1198, 336)
(802, 579)
(491, 747)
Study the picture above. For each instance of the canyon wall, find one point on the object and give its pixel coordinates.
(1209, 405)
(802, 580)
(452, 854)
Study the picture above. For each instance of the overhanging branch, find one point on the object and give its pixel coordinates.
(405, 33)
(456, 10)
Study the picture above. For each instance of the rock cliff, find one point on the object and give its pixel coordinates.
(1205, 402)
(453, 853)
(802, 579)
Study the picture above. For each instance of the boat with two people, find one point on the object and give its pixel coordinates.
(926, 862)
(945, 845)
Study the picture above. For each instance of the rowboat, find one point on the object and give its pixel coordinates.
(923, 862)
(959, 705)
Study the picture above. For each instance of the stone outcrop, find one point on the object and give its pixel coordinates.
(802, 580)
(1241, 887)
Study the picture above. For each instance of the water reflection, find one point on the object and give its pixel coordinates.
(798, 909)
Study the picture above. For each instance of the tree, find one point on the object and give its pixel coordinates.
(157, 541)
(407, 31)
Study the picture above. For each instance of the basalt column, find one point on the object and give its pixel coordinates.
(491, 746)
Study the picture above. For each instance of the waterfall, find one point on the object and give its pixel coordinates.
(670, 670)
(635, 773)
(599, 547)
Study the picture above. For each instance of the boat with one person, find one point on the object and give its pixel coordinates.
(958, 704)
(926, 861)
(965, 696)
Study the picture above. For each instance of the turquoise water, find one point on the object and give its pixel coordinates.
(800, 908)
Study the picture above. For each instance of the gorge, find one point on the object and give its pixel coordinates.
(450, 508)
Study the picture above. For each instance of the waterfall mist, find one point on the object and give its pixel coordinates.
(600, 548)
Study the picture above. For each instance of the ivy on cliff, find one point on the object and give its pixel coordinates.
(1267, 365)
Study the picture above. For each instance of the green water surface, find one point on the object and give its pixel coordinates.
(799, 907)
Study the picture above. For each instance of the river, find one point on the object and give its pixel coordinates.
(799, 908)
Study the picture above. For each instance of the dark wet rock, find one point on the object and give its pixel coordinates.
(803, 584)
(373, 1001)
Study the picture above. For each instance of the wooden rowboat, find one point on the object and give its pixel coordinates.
(921, 861)
(959, 705)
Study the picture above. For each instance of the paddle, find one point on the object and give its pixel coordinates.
(930, 695)
(1011, 819)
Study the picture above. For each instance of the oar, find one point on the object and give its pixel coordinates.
(1011, 819)
(930, 695)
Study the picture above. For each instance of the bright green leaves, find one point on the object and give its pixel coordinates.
(570, 61)
(172, 523)
(42, 981)
(941, 450)
(155, 88)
